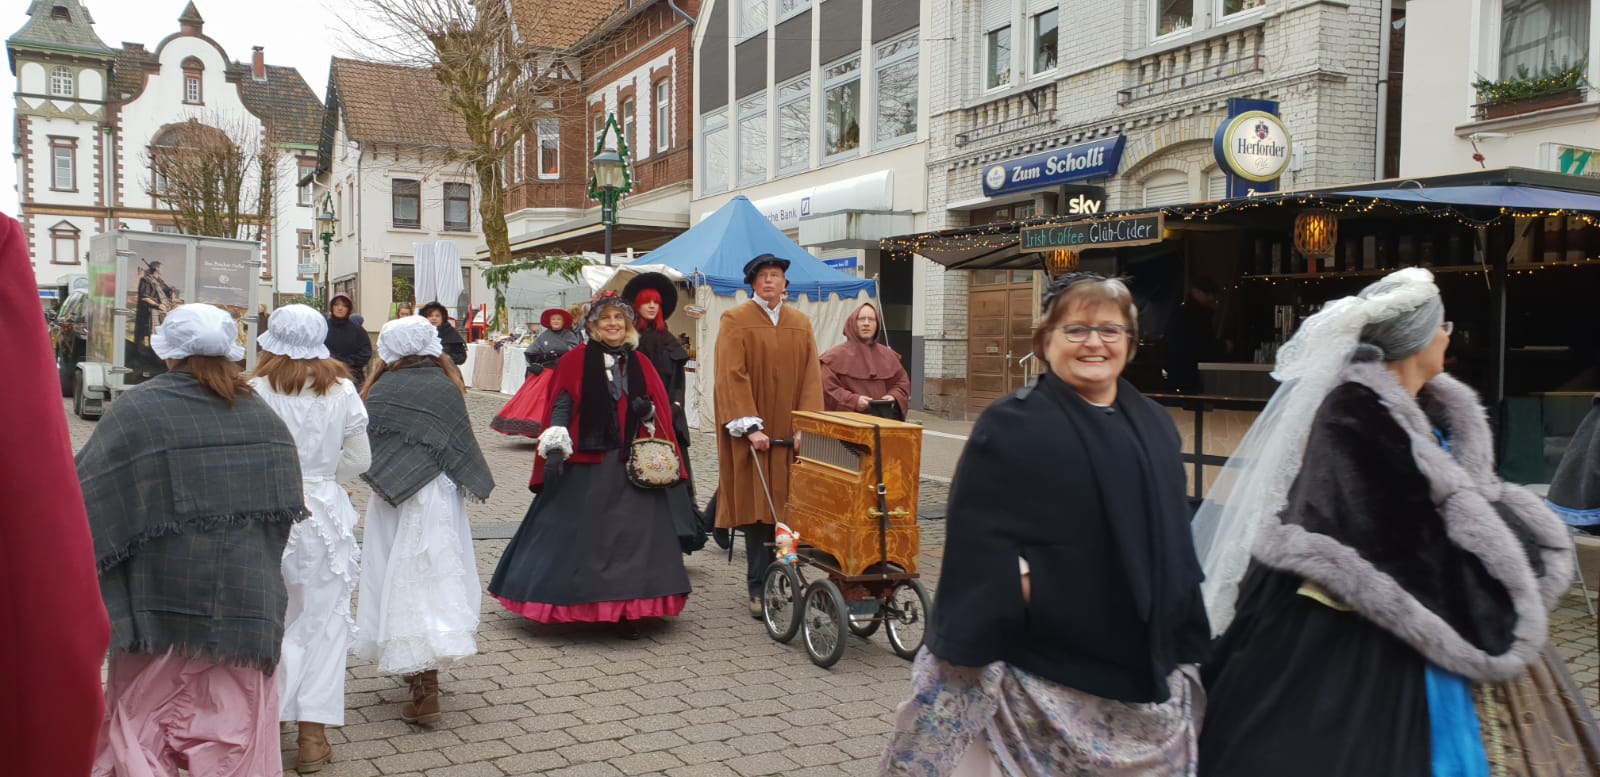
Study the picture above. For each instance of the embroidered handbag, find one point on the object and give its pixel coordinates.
(652, 463)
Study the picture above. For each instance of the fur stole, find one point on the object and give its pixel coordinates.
(1429, 544)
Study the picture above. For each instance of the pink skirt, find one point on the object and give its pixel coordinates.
(168, 711)
(599, 612)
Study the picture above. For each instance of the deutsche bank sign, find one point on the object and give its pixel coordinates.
(1082, 162)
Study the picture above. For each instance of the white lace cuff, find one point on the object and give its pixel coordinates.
(740, 427)
(555, 439)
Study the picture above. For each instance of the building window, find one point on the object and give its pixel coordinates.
(406, 195)
(896, 88)
(1540, 36)
(61, 14)
(599, 122)
(788, 8)
(518, 160)
(350, 208)
(192, 72)
(752, 17)
(458, 207)
(628, 122)
(306, 169)
(1044, 41)
(663, 115)
(997, 58)
(753, 139)
(1231, 7)
(549, 131)
(1216, 185)
(841, 89)
(1173, 16)
(63, 164)
(64, 244)
(61, 81)
(714, 143)
(1167, 188)
(168, 229)
(794, 125)
(306, 246)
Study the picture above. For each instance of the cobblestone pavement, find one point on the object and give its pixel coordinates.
(707, 694)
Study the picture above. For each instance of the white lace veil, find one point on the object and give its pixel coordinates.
(1254, 485)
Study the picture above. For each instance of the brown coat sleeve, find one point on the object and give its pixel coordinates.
(732, 394)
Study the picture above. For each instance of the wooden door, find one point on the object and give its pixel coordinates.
(999, 335)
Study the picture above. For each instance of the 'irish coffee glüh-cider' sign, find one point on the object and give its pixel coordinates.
(1136, 230)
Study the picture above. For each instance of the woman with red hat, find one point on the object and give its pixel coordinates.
(524, 414)
(654, 298)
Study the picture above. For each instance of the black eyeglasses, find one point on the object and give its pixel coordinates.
(1079, 333)
(1449, 328)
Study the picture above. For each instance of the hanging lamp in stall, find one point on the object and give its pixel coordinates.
(1316, 235)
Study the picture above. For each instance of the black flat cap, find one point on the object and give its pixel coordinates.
(765, 260)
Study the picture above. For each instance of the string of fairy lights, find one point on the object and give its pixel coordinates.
(1007, 234)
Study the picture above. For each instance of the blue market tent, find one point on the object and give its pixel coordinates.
(715, 251)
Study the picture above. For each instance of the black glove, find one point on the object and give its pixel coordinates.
(642, 408)
(552, 467)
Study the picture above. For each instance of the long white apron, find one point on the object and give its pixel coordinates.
(420, 593)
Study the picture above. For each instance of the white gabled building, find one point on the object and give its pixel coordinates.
(87, 116)
(385, 170)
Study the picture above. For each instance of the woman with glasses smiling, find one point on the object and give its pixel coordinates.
(1069, 616)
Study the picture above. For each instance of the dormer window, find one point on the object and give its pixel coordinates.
(61, 81)
(193, 92)
(61, 14)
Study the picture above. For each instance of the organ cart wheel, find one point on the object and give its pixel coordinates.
(824, 619)
(907, 617)
(780, 601)
(864, 626)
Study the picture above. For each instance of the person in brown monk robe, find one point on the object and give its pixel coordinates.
(766, 368)
(863, 370)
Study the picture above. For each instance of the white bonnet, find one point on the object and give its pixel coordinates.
(408, 336)
(296, 331)
(197, 329)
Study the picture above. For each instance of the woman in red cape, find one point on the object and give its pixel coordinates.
(594, 547)
(525, 414)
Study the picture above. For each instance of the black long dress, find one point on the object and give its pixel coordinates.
(593, 547)
(664, 350)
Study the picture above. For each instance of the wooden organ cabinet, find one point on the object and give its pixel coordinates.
(833, 499)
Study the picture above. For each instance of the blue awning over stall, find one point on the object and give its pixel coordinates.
(715, 252)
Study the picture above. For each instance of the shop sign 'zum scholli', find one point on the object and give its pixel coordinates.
(1254, 145)
(1097, 159)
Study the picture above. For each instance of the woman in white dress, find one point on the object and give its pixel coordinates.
(316, 399)
(419, 581)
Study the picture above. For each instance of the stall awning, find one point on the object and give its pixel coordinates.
(1485, 196)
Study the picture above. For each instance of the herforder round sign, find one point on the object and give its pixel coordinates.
(1254, 146)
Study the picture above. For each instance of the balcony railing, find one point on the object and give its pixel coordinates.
(1033, 108)
(1212, 60)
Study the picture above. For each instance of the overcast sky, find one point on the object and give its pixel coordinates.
(297, 33)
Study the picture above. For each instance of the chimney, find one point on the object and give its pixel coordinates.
(258, 63)
(190, 22)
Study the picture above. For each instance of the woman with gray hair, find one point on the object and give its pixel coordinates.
(1394, 606)
(1068, 617)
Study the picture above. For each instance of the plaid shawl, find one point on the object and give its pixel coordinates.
(190, 503)
(418, 428)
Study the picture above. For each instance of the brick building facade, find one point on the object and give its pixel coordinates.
(631, 59)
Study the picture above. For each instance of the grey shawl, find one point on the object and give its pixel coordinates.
(190, 503)
(419, 428)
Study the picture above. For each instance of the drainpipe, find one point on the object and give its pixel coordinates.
(690, 19)
(1385, 32)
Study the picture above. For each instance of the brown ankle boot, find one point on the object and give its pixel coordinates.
(423, 709)
(315, 752)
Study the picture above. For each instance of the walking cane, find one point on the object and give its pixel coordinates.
(755, 458)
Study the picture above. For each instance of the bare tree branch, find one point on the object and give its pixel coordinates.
(216, 175)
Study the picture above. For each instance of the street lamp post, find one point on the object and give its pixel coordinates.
(611, 177)
(327, 227)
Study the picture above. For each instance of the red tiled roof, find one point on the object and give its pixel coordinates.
(395, 104)
(559, 24)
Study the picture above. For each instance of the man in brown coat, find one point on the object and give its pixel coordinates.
(766, 369)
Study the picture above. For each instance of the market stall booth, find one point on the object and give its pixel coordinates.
(1221, 285)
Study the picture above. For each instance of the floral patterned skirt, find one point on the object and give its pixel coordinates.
(1020, 725)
